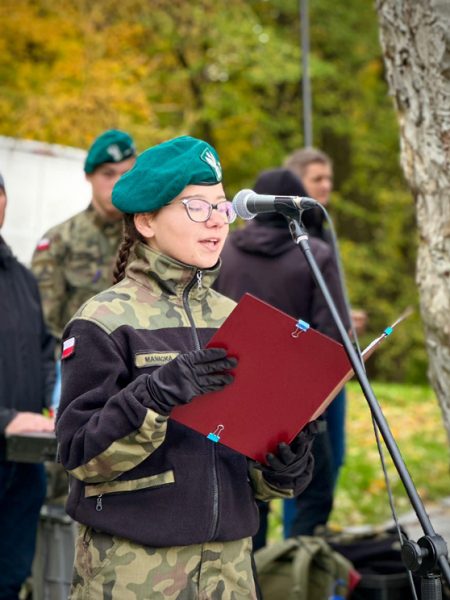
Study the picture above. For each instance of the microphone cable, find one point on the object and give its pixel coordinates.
(335, 245)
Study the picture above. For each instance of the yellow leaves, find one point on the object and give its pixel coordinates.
(72, 69)
(376, 486)
(32, 35)
(235, 147)
(71, 72)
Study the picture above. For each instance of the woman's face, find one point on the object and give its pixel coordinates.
(173, 233)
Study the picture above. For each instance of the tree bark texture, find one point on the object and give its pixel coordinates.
(415, 37)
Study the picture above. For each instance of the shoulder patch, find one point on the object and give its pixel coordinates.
(44, 244)
(147, 358)
(68, 348)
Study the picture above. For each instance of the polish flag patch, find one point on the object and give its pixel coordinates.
(68, 348)
(44, 244)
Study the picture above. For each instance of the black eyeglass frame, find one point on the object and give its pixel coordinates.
(211, 208)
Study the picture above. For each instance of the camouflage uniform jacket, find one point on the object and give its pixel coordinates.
(135, 473)
(73, 262)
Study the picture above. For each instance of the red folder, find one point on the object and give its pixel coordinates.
(281, 383)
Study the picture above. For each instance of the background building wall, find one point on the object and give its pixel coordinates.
(45, 185)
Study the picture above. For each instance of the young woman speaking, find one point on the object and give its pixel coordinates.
(163, 511)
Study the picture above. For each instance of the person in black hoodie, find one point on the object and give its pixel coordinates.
(27, 376)
(261, 259)
(315, 170)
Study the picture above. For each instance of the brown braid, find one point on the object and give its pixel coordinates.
(129, 237)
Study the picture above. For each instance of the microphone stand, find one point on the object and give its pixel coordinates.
(427, 557)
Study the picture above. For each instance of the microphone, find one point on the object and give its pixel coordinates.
(247, 203)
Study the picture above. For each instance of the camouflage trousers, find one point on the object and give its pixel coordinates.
(112, 568)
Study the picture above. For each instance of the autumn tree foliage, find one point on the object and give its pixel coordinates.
(230, 72)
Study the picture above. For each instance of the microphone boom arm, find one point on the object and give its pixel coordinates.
(438, 548)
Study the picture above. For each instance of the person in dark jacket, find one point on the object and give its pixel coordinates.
(27, 376)
(261, 259)
(315, 170)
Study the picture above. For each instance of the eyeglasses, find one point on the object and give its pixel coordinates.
(200, 211)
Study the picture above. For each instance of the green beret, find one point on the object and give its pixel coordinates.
(111, 146)
(162, 172)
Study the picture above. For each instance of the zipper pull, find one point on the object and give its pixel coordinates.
(87, 537)
(199, 280)
(99, 506)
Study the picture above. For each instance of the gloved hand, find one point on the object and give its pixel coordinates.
(293, 460)
(190, 375)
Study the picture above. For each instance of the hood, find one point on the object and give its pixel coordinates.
(257, 238)
(282, 182)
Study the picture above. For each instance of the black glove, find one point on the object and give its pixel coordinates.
(190, 375)
(293, 460)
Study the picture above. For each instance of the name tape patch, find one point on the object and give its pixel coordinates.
(153, 359)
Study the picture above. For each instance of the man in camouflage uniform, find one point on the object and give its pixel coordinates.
(74, 260)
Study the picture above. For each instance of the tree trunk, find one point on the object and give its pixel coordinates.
(415, 36)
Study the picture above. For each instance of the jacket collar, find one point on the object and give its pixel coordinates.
(109, 227)
(165, 276)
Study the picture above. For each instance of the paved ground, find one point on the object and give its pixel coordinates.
(439, 516)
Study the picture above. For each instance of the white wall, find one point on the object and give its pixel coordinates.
(45, 185)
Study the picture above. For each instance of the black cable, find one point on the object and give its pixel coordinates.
(391, 501)
(335, 244)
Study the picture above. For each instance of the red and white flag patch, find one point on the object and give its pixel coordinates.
(44, 244)
(68, 348)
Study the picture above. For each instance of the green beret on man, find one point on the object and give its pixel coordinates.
(161, 173)
(112, 146)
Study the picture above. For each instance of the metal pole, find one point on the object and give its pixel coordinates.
(301, 239)
(306, 88)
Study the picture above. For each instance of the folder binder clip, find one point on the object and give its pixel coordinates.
(300, 326)
(215, 437)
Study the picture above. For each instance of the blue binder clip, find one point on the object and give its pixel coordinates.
(215, 437)
(300, 326)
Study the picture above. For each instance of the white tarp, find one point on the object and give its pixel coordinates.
(45, 185)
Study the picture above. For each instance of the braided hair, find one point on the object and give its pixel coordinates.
(129, 237)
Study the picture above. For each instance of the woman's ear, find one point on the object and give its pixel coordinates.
(143, 223)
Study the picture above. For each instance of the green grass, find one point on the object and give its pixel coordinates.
(415, 419)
